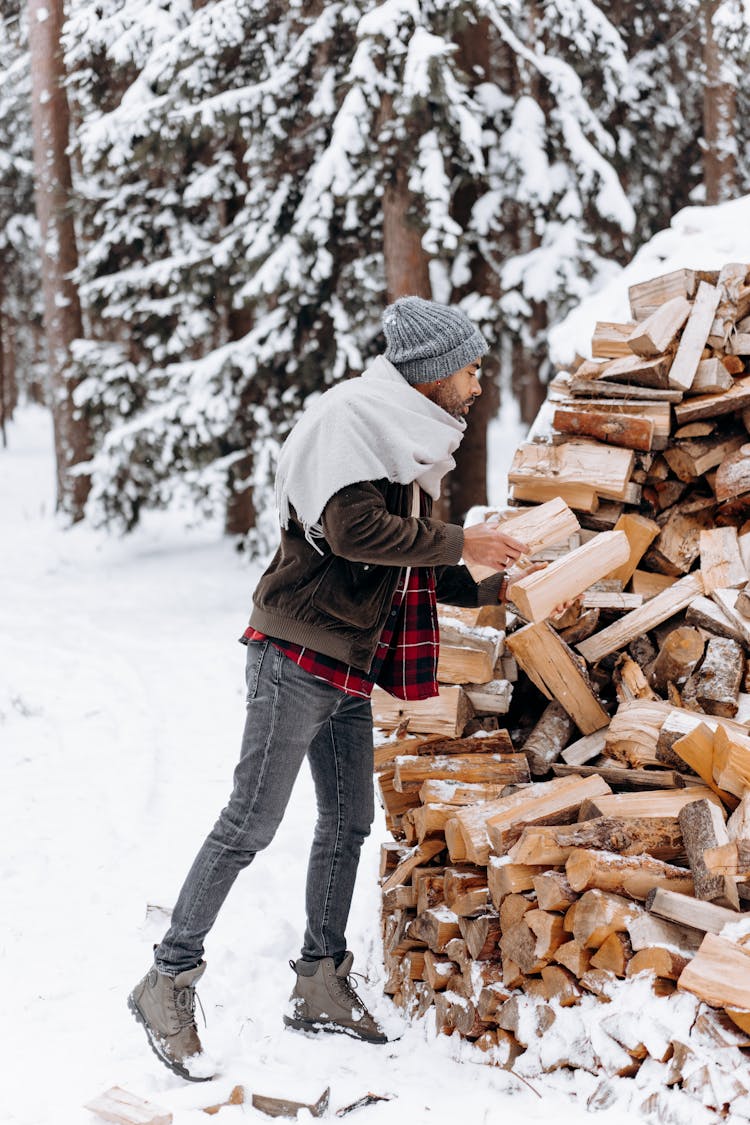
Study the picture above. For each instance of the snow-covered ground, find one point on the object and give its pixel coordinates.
(121, 708)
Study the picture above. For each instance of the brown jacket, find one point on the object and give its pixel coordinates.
(337, 603)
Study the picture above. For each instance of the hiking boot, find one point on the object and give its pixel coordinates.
(166, 1007)
(324, 999)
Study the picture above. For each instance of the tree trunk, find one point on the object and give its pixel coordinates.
(467, 484)
(53, 189)
(4, 405)
(719, 114)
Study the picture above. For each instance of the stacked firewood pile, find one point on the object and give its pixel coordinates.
(602, 842)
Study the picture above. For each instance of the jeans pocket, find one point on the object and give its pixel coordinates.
(256, 651)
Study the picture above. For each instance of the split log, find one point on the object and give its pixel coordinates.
(553, 891)
(548, 737)
(562, 800)
(625, 431)
(726, 601)
(547, 927)
(285, 1107)
(537, 594)
(575, 957)
(124, 1108)
(658, 609)
(610, 339)
(657, 332)
(721, 563)
(706, 614)
(435, 927)
(717, 684)
(540, 527)
(729, 859)
(661, 962)
(711, 377)
(538, 846)
(640, 371)
(518, 944)
(465, 889)
(689, 460)
(648, 585)
(459, 792)
(599, 914)
(584, 749)
(736, 399)
(647, 295)
(577, 464)
(733, 475)
(495, 769)
(657, 413)
(422, 854)
(551, 665)
(633, 733)
(690, 349)
(640, 533)
(560, 985)
(731, 761)
(625, 875)
(473, 661)
(647, 931)
(678, 544)
(677, 657)
(508, 878)
(438, 971)
(428, 882)
(657, 836)
(657, 803)
(481, 935)
(703, 827)
(490, 698)
(447, 714)
(626, 777)
(696, 749)
(689, 911)
(613, 954)
(719, 974)
(630, 681)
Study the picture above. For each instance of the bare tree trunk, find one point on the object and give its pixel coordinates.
(406, 261)
(4, 411)
(719, 114)
(53, 189)
(467, 484)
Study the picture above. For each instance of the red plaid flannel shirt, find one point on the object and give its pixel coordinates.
(405, 661)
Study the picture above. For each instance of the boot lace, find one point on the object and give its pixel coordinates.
(184, 1003)
(348, 988)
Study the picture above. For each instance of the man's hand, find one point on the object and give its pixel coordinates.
(487, 546)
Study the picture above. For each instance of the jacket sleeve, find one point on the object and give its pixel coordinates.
(455, 586)
(358, 526)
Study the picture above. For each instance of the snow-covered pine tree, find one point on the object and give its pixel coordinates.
(21, 369)
(261, 178)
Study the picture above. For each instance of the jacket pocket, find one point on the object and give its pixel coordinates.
(352, 593)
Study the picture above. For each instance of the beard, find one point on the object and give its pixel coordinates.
(452, 402)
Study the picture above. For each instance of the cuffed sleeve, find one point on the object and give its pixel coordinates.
(488, 590)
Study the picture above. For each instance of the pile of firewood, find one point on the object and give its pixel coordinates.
(608, 835)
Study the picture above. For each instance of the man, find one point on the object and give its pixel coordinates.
(349, 600)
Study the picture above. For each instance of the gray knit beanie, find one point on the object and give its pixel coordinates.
(427, 341)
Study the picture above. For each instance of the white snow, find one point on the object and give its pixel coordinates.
(121, 708)
(702, 238)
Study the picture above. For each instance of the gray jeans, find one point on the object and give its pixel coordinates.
(290, 713)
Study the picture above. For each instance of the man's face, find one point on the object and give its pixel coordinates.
(457, 392)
